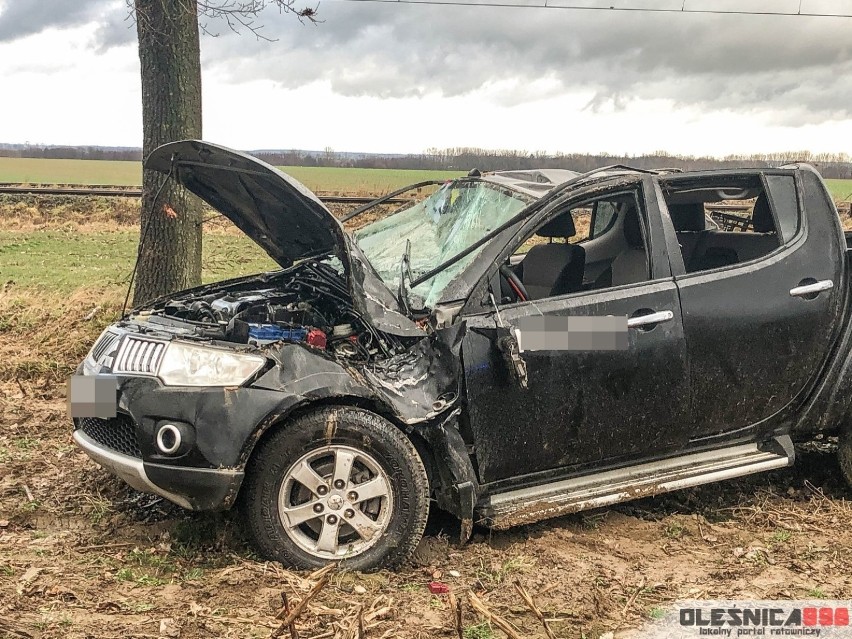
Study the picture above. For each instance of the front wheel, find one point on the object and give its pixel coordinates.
(844, 454)
(340, 483)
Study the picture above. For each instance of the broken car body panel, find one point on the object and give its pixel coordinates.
(283, 217)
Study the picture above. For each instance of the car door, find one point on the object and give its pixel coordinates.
(588, 406)
(759, 330)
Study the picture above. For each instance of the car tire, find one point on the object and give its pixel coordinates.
(299, 512)
(844, 455)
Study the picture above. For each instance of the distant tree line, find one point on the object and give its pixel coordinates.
(70, 152)
(831, 165)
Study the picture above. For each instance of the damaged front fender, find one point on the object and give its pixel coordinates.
(418, 388)
(423, 382)
(413, 388)
(457, 488)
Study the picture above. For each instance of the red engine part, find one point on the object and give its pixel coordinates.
(316, 338)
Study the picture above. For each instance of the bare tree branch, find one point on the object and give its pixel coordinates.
(241, 15)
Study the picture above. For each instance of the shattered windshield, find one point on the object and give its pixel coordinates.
(439, 228)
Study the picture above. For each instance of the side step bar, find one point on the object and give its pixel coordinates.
(527, 505)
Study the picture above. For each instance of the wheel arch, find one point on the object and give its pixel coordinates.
(280, 418)
(452, 479)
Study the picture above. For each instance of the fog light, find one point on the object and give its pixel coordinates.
(169, 439)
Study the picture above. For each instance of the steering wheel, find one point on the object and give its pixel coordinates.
(514, 283)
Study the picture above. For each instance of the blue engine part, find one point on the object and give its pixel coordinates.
(264, 333)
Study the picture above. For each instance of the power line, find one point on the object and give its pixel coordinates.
(558, 4)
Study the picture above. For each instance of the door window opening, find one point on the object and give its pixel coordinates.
(591, 245)
(722, 221)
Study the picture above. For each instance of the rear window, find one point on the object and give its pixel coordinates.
(725, 220)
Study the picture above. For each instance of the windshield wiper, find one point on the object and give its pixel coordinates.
(405, 270)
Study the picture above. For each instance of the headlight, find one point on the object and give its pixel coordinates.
(187, 365)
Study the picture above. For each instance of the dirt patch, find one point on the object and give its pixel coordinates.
(82, 555)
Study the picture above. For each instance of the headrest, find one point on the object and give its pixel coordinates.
(560, 226)
(688, 217)
(632, 229)
(761, 217)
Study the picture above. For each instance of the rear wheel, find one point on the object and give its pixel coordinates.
(337, 484)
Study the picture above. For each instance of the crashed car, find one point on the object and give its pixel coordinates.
(515, 346)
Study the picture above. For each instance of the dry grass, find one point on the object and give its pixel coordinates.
(44, 334)
(97, 214)
(31, 212)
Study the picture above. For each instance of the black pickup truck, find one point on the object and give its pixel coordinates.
(514, 346)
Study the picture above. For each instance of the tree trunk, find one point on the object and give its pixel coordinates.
(170, 239)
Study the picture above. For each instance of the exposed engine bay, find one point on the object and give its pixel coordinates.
(307, 303)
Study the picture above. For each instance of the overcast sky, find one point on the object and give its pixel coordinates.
(402, 78)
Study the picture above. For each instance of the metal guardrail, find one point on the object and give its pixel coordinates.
(135, 192)
(121, 191)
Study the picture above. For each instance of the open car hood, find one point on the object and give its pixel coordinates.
(282, 216)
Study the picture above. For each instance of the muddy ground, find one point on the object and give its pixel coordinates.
(81, 555)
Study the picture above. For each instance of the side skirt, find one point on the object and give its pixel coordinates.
(527, 505)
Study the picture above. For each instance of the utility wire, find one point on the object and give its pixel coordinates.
(549, 4)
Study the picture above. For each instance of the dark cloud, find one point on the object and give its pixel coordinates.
(19, 19)
(116, 28)
(789, 67)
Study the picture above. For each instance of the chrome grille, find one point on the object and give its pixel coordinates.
(104, 345)
(139, 356)
(118, 433)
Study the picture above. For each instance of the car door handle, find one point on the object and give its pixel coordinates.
(811, 289)
(650, 319)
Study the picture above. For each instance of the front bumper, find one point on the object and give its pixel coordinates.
(221, 426)
(191, 488)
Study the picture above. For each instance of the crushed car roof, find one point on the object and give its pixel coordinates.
(535, 182)
(539, 182)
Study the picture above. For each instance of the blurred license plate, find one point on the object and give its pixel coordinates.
(572, 333)
(92, 396)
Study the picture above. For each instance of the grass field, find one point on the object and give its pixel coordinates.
(841, 190)
(38, 171)
(64, 260)
(96, 172)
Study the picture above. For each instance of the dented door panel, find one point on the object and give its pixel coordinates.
(580, 406)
